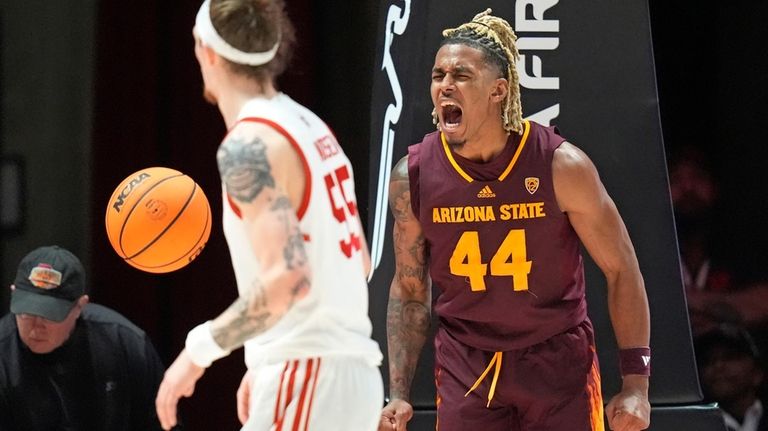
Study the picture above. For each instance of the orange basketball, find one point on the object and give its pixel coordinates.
(158, 219)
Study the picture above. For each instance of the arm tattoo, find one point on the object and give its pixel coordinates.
(416, 272)
(407, 327)
(300, 287)
(246, 317)
(419, 273)
(294, 253)
(418, 250)
(244, 167)
(408, 311)
(400, 200)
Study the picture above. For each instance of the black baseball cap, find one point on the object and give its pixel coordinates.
(49, 281)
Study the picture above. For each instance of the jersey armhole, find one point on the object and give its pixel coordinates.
(553, 133)
(305, 165)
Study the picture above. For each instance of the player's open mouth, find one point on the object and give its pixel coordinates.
(451, 115)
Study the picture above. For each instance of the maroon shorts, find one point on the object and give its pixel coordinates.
(550, 386)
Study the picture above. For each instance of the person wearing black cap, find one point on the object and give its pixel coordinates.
(732, 376)
(66, 364)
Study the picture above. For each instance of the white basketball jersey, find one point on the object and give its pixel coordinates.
(333, 318)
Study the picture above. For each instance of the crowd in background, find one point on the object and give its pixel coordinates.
(727, 304)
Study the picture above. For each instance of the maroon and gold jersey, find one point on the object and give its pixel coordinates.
(505, 258)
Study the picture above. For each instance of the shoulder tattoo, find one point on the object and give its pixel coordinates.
(244, 167)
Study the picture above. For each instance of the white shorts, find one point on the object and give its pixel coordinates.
(316, 394)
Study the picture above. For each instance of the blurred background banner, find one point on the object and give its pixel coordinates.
(588, 68)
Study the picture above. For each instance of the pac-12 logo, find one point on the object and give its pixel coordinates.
(532, 184)
(120, 201)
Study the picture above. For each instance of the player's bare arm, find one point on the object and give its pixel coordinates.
(594, 216)
(408, 312)
(409, 307)
(259, 170)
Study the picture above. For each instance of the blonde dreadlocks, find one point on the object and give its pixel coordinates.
(495, 37)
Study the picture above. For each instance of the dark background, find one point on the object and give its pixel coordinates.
(147, 110)
(711, 74)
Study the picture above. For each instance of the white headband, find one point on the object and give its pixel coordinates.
(210, 37)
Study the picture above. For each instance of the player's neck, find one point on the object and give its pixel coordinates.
(232, 100)
(483, 147)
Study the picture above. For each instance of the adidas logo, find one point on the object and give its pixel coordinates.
(486, 192)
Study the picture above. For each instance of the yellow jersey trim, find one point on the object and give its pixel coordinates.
(456, 166)
(466, 176)
(523, 140)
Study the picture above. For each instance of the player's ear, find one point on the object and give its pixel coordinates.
(209, 55)
(500, 89)
(203, 52)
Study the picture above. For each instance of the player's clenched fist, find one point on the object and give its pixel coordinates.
(395, 416)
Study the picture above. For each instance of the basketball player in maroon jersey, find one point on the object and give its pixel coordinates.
(492, 209)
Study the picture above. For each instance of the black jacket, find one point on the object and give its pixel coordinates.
(105, 377)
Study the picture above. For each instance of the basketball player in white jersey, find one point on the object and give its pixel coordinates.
(296, 241)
